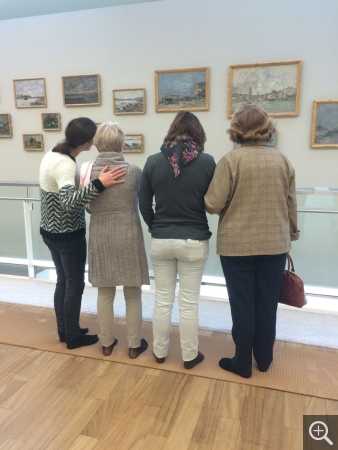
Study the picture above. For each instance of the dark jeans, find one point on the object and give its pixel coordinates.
(253, 284)
(69, 258)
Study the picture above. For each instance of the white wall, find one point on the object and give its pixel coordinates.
(126, 44)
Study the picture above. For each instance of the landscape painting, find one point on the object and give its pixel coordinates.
(271, 143)
(325, 124)
(5, 126)
(129, 101)
(275, 87)
(184, 89)
(30, 93)
(32, 142)
(133, 143)
(81, 90)
(51, 122)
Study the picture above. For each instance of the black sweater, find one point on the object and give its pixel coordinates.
(179, 211)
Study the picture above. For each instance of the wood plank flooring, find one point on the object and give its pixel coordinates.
(60, 402)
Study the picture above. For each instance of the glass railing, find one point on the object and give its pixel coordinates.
(22, 251)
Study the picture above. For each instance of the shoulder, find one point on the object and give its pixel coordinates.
(206, 158)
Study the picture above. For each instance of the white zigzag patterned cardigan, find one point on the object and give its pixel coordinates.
(62, 204)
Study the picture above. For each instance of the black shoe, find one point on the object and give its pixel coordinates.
(226, 364)
(107, 351)
(159, 360)
(82, 341)
(135, 352)
(62, 335)
(190, 364)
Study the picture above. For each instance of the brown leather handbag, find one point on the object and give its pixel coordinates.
(292, 288)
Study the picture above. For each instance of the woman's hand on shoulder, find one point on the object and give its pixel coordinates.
(111, 177)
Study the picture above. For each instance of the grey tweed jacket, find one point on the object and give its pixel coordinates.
(253, 191)
(116, 248)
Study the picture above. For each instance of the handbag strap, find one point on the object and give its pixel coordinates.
(290, 262)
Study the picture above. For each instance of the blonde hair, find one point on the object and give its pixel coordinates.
(250, 123)
(109, 137)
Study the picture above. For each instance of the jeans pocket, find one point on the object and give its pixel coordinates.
(192, 251)
(156, 248)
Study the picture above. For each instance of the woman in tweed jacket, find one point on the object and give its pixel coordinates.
(253, 191)
(116, 248)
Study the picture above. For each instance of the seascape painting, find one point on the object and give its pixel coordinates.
(5, 126)
(275, 87)
(32, 142)
(133, 143)
(51, 122)
(186, 89)
(30, 93)
(325, 124)
(129, 101)
(81, 90)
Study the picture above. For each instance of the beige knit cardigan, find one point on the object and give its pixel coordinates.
(116, 247)
(253, 191)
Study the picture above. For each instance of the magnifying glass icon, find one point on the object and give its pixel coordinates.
(319, 430)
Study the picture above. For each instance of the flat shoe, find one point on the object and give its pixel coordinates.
(190, 364)
(135, 352)
(159, 360)
(107, 351)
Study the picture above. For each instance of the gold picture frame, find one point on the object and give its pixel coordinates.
(324, 131)
(273, 142)
(133, 143)
(51, 121)
(129, 101)
(30, 93)
(81, 90)
(274, 86)
(182, 89)
(32, 142)
(5, 126)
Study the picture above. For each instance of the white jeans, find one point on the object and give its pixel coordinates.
(187, 259)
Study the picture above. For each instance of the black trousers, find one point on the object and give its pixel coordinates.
(69, 258)
(253, 284)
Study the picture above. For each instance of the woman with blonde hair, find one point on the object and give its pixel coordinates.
(253, 191)
(116, 248)
(178, 176)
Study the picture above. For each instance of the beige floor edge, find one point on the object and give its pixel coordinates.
(296, 368)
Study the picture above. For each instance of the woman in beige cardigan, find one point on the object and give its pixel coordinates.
(253, 191)
(116, 248)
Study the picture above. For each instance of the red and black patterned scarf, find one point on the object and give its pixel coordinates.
(180, 152)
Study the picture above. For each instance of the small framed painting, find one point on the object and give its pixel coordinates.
(30, 93)
(51, 121)
(5, 126)
(324, 132)
(129, 101)
(271, 143)
(32, 141)
(133, 143)
(81, 90)
(182, 89)
(274, 87)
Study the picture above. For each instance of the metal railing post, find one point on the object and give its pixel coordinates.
(27, 208)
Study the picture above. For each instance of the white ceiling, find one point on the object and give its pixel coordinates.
(13, 9)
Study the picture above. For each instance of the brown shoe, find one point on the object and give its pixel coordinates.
(190, 364)
(107, 351)
(159, 360)
(135, 352)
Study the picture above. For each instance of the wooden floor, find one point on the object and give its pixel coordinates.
(56, 401)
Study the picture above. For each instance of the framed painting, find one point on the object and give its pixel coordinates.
(81, 90)
(129, 101)
(30, 93)
(133, 143)
(5, 126)
(51, 121)
(32, 142)
(183, 89)
(275, 87)
(324, 132)
(271, 143)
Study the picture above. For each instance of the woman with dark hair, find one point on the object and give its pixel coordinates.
(253, 191)
(63, 225)
(178, 176)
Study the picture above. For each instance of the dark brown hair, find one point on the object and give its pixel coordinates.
(78, 132)
(250, 123)
(186, 123)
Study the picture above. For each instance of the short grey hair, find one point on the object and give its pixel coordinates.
(109, 137)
